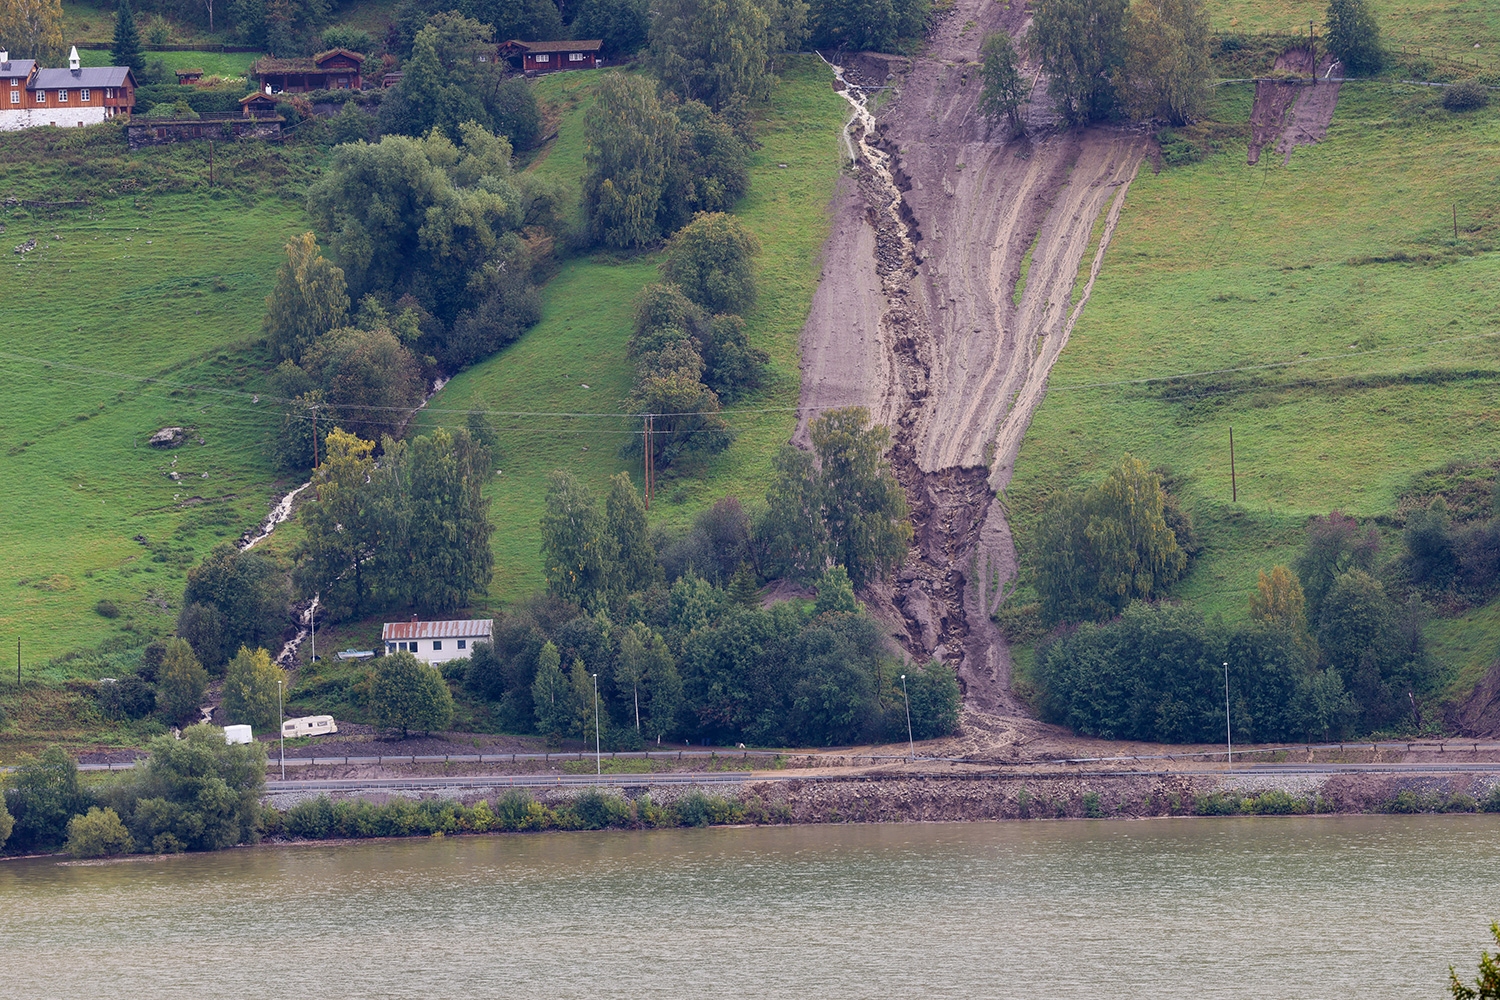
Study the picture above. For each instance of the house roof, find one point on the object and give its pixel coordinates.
(93, 76)
(271, 64)
(257, 96)
(323, 57)
(464, 628)
(188, 72)
(587, 45)
(17, 67)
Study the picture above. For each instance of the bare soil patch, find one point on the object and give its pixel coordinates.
(1294, 113)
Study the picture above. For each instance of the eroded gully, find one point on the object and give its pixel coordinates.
(922, 316)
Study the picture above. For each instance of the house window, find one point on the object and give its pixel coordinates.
(109, 93)
(544, 57)
(575, 57)
(436, 646)
(15, 97)
(463, 644)
(62, 97)
(83, 95)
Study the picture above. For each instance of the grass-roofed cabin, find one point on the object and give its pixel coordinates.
(336, 69)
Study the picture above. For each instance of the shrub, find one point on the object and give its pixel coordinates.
(312, 819)
(407, 694)
(1467, 96)
(1216, 804)
(97, 833)
(1277, 803)
(594, 810)
(107, 609)
(6, 822)
(1491, 803)
(129, 698)
(698, 809)
(1091, 806)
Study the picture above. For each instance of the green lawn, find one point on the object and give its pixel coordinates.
(225, 64)
(1391, 368)
(586, 323)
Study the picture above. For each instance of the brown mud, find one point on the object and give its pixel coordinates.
(1294, 113)
(922, 317)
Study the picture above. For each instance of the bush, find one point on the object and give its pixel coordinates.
(97, 833)
(128, 698)
(6, 822)
(344, 36)
(1216, 804)
(1491, 803)
(1277, 803)
(107, 609)
(1467, 96)
(594, 810)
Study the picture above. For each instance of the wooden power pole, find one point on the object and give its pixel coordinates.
(1234, 485)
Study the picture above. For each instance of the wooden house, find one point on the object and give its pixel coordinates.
(336, 69)
(67, 98)
(188, 76)
(550, 57)
(257, 105)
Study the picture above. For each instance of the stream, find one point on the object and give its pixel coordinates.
(877, 159)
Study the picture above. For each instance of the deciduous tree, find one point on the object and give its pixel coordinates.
(551, 695)
(625, 518)
(196, 793)
(1354, 36)
(180, 682)
(863, 505)
(1166, 72)
(407, 694)
(42, 795)
(309, 299)
(1081, 45)
(1098, 549)
(1005, 89)
(97, 833)
(712, 260)
(620, 24)
(579, 553)
(251, 689)
(1487, 985)
(344, 535)
(712, 51)
(630, 139)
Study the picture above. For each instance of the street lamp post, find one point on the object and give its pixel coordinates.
(281, 726)
(1228, 739)
(598, 757)
(911, 743)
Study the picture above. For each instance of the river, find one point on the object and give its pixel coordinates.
(1367, 907)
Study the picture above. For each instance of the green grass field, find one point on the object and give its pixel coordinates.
(586, 322)
(1451, 27)
(225, 64)
(122, 309)
(1342, 275)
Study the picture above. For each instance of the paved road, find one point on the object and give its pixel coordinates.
(742, 777)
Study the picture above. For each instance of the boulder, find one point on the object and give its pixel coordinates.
(167, 437)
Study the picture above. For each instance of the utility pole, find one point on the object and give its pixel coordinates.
(210, 163)
(1234, 484)
(1228, 739)
(1312, 53)
(910, 743)
(598, 757)
(18, 661)
(1455, 222)
(281, 725)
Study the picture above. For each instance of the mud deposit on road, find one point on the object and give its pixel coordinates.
(919, 317)
(1288, 115)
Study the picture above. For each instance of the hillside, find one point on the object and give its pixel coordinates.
(1334, 320)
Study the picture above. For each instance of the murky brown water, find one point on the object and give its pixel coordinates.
(1365, 907)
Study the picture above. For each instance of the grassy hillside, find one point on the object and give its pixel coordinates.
(586, 322)
(1452, 27)
(225, 64)
(1360, 334)
(122, 308)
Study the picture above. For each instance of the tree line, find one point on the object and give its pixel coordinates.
(1328, 651)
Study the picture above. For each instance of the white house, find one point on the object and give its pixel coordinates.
(435, 642)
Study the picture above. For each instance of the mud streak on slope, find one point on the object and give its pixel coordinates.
(953, 364)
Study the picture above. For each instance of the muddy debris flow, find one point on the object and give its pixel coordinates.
(925, 318)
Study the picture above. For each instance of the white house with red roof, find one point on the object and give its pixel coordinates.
(436, 642)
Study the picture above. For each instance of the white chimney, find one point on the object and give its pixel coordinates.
(73, 59)
(4, 56)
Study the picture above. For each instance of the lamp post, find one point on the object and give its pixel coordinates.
(910, 742)
(598, 757)
(1228, 739)
(281, 726)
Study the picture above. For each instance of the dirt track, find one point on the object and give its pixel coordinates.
(917, 319)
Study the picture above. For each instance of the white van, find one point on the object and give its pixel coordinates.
(309, 725)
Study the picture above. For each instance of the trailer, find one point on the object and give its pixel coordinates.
(309, 725)
(237, 734)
